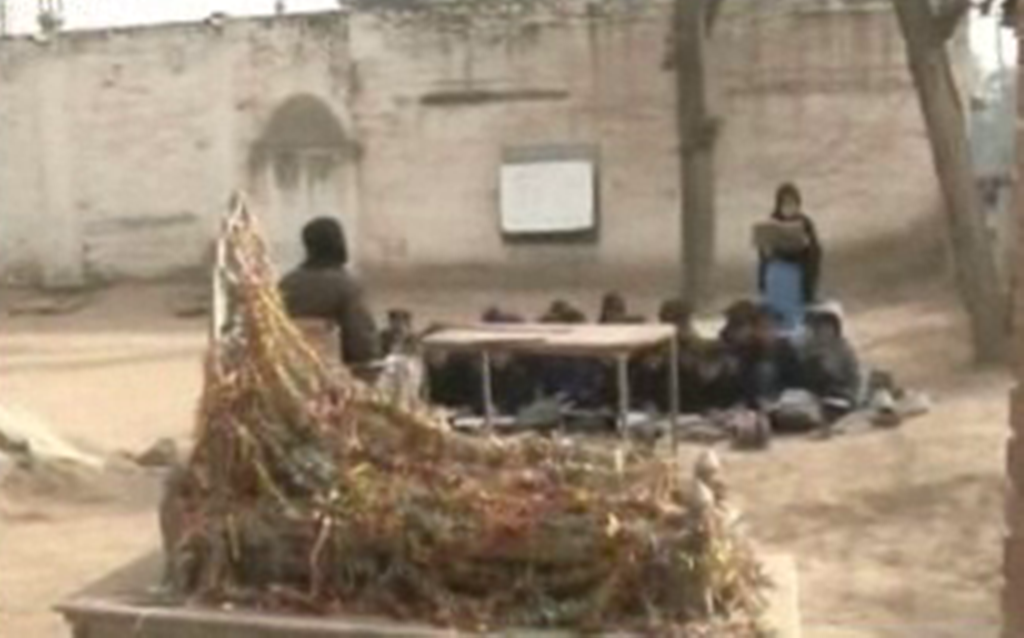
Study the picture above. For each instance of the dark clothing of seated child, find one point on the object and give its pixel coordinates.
(768, 364)
(577, 381)
(649, 372)
(714, 381)
(831, 369)
(765, 372)
(573, 379)
(739, 320)
(454, 382)
(513, 386)
(649, 383)
(704, 385)
(707, 376)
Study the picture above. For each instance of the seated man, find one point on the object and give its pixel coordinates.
(831, 369)
(322, 288)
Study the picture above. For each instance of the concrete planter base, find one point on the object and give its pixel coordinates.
(126, 604)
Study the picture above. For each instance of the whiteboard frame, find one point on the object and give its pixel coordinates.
(547, 154)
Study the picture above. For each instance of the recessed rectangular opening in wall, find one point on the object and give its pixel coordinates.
(549, 193)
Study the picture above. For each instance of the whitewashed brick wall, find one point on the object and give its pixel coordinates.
(154, 124)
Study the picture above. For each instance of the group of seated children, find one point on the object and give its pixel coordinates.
(752, 365)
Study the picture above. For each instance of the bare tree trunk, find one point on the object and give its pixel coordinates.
(697, 136)
(925, 34)
(1013, 548)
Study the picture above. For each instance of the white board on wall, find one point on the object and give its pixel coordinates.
(548, 197)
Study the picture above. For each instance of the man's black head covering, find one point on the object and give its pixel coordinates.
(325, 243)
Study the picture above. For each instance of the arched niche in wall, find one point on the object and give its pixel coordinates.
(300, 169)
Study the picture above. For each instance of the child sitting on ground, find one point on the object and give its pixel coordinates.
(574, 380)
(512, 383)
(769, 364)
(831, 369)
(397, 337)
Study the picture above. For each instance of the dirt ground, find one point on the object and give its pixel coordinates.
(897, 533)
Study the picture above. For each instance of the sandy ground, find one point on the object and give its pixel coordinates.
(897, 533)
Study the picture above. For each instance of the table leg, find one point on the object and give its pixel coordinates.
(622, 368)
(673, 388)
(485, 365)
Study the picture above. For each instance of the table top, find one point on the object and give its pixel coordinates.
(576, 339)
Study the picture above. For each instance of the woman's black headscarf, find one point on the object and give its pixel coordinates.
(325, 244)
(784, 192)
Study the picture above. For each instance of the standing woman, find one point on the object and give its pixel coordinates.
(788, 272)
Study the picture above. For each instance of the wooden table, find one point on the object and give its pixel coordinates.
(614, 342)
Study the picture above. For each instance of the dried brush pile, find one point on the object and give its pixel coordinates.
(309, 492)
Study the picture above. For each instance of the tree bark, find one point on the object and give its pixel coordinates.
(697, 136)
(974, 261)
(1013, 556)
